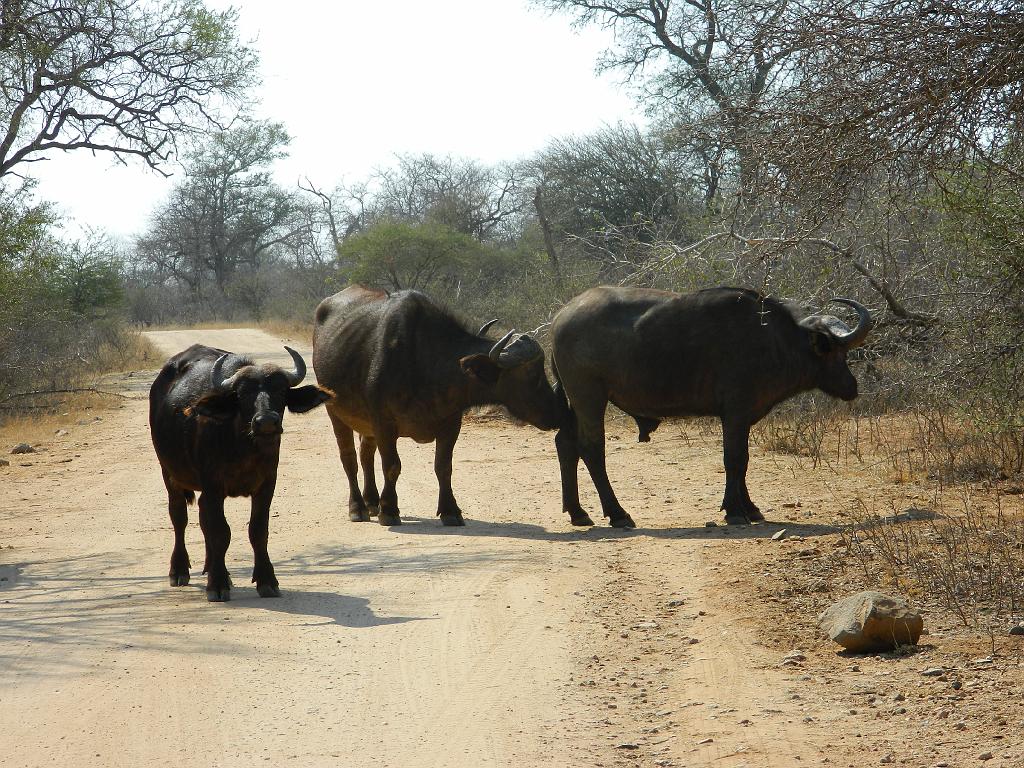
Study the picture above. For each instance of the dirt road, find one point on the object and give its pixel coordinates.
(516, 640)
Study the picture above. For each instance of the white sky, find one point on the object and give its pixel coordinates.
(356, 82)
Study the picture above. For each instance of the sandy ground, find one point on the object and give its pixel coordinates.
(515, 641)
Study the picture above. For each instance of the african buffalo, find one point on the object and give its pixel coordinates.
(725, 352)
(215, 419)
(401, 366)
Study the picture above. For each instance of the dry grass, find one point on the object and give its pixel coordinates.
(966, 557)
(38, 425)
(289, 329)
(30, 417)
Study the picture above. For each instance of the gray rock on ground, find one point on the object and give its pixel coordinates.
(870, 622)
(23, 448)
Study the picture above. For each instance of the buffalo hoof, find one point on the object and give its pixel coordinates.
(580, 518)
(222, 595)
(625, 521)
(359, 515)
(389, 518)
(736, 520)
(179, 579)
(452, 519)
(268, 590)
(374, 510)
(755, 516)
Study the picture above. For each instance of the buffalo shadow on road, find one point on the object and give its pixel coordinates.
(515, 530)
(340, 609)
(113, 600)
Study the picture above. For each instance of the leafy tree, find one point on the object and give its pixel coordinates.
(396, 255)
(88, 277)
(483, 202)
(119, 76)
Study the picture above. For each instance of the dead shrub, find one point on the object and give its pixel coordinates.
(967, 560)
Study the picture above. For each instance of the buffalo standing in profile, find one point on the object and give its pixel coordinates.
(216, 423)
(725, 352)
(400, 366)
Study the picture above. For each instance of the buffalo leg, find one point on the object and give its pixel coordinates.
(568, 465)
(444, 446)
(590, 440)
(387, 444)
(367, 451)
(739, 509)
(357, 511)
(177, 506)
(259, 530)
(217, 534)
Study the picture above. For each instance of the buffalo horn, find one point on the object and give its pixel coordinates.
(219, 383)
(297, 374)
(485, 326)
(500, 345)
(857, 336)
(509, 354)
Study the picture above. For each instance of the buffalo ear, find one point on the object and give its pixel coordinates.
(822, 343)
(219, 406)
(302, 399)
(480, 367)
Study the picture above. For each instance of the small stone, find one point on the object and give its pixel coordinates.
(627, 745)
(956, 685)
(4, 463)
(645, 625)
(778, 535)
(705, 741)
(1017, 629)
(932, 672)
(675, 603)
(23, 448)
(61, 433)
(985, 756)
(692, 641)
(899, 697)
(710, 524)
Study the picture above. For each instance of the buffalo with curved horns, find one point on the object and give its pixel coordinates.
(725, 352)
(216, 422)
(401, 366)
